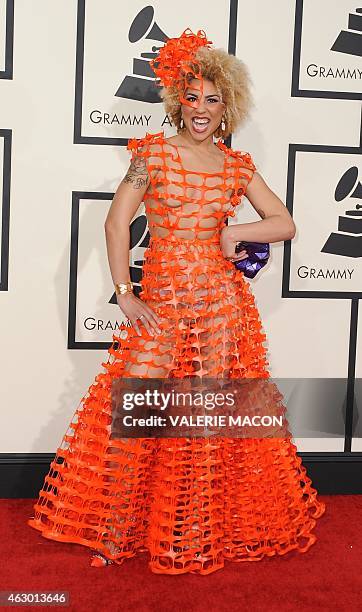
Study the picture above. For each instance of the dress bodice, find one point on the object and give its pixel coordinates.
(186, 203)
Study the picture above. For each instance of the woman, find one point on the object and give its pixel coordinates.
(190, 502)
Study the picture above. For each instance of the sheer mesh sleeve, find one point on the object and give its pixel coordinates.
(145, 148)
(244, 168)
(244, 172)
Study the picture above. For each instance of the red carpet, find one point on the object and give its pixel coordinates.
(327, 577)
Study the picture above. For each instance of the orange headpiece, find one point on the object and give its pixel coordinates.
(176, 62)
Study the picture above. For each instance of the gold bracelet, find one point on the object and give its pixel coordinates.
(122, 288)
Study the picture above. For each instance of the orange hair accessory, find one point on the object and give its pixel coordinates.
(176, 62)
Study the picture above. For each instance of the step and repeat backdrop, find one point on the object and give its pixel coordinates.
(75, 85)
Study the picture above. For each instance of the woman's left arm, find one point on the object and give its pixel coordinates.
(276, 224)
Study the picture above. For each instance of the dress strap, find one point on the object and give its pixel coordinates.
(244, 169)
(141, 146)
(154, 156)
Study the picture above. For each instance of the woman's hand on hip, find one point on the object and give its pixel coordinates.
(138, 311)
(228, 246)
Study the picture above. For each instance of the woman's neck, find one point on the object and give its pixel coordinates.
(205, 145)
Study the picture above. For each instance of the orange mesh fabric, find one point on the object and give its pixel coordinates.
(190, 503)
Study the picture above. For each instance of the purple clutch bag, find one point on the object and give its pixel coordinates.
(258, 255)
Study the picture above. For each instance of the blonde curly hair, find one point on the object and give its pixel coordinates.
(232, 80)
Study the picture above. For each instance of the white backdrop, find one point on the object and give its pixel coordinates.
(54, 156)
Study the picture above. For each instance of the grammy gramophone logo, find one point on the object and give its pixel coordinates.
(141, 84)
(347, 240)
(350, 41)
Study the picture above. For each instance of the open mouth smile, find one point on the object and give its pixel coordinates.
(200, 124)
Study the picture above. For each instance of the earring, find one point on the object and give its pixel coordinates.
(223, 124)
(181, 123)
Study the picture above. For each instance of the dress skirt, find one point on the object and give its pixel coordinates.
(190, 503)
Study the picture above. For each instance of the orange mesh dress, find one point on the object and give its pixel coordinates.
(189, 503)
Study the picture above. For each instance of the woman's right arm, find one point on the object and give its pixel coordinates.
(126, 201)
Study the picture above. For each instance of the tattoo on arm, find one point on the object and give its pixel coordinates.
(137, 173)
